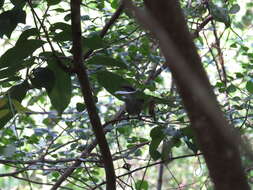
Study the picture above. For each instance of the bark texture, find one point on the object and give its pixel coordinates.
(215, 137)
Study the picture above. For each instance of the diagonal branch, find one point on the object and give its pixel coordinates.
(92, 145)
(97, 127)
(87, 95)
(60, 64)
(105, 29)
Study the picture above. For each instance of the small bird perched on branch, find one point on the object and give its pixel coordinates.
(133, 99)
(137, 101)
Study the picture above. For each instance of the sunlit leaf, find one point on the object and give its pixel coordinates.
(115, 4)
(19, 108)
(141, 185)
(249, 86)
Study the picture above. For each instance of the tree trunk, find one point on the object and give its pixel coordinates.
(215, 137)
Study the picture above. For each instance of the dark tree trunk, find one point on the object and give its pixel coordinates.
(220, 151)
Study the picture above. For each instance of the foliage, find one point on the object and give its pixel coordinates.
(45, 125)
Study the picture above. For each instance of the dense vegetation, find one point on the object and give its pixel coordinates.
(59, 84)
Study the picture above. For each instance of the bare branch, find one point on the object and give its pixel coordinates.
(88, 99)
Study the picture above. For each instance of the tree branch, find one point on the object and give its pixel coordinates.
(105, 29)
(150, 165)
(215, 137)
(88, 99)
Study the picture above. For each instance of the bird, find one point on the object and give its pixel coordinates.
(134, 101)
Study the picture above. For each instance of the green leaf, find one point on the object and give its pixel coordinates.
(125, 130)
(80, 107)
(6, 82)
(167, 101)
(141, 185)
(4, 112)
(85, 17)
(17, 93)
(33, 139)
(19, 108)
(18, 3)
(94, 42)
(239, 75)
(1, 3)
(191, 145)
(10, 19)
(157, 135)
(111, 82)
(5, 73)
(234, 9)
(115, 4)
(60, 10)
(3, 102)
(9, 150)
(55, 174)
(187, 131)
(197, 11)
(60, 26)
(26, 34)
(60, 94)
(106, 61)
(233, 45)
(43, 77)
(154, 153)
(219, 14)
(244, 48)
(18, 15)
(249, 86)
(189, 139)
(53, 2)
(14, 56)
(231, 88)
(157, 132)
(11, 71)
(64, 35)
(100, 4)
(67, 17)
